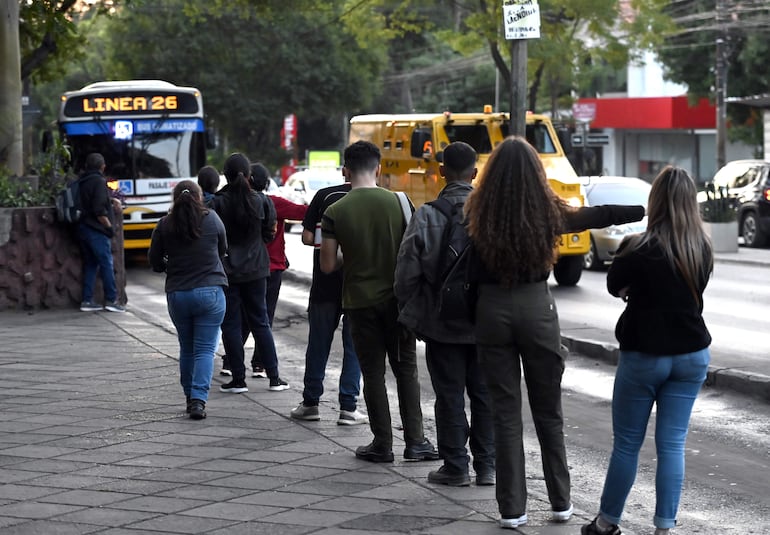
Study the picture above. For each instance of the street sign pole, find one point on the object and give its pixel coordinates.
(521, 19)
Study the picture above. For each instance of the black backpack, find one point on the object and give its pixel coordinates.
(456, 288)
(68, 209)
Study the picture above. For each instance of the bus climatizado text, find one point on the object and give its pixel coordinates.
(151, 134)
(411, 145)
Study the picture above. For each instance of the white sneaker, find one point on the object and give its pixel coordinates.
(305, 412)
(513, 523)
(562, 516)
(352, 418)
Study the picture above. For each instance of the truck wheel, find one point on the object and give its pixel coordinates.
(568, 269)
(752, 235)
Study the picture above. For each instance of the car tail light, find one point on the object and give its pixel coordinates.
(766, 194)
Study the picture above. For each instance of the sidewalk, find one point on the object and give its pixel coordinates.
(94, 439)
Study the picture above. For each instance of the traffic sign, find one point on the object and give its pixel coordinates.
(521, 19)
(584, 111)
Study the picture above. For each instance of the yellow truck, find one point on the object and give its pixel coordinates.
(410, 144)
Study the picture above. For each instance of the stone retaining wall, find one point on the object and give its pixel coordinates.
(40, 264)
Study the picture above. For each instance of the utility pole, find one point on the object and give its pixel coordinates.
(721, 85)
(518, 87)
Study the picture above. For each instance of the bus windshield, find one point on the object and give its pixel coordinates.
(159, 155)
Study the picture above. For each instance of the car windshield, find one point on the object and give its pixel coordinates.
(626, 193)
(324, 182)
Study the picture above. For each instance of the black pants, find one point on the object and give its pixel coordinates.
(376, 332)
(454, 370)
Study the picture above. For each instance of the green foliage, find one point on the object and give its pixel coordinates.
(48, 168)
(719, 206)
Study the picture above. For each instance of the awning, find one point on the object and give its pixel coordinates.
(666, 113)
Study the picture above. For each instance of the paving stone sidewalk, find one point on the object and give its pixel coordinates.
(94, 439)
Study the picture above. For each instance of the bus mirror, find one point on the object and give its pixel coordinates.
(565, 139)
(421, 144)
(211, 139)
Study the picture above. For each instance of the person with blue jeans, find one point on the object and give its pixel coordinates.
(323, 314)
(664, 347)
(95, 231)
(188, 245)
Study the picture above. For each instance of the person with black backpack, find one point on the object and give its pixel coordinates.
(95, 231)
(433, 243)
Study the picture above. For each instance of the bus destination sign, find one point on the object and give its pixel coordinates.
(130, 103)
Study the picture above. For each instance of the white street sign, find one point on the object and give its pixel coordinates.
(521, 19)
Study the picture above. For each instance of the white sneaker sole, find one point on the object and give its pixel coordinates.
(562, 516)
(513, 523)
(233, 390)
(278, 388)
(359, 421)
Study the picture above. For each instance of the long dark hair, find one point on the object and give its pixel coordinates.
(187, 212)
(241, 214)
(675, 225)
(514, 217)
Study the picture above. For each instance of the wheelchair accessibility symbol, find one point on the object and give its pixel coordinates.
(126, 187)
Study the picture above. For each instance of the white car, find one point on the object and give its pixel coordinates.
(301, 187)
(613, 190)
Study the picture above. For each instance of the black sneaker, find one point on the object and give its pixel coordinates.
(594, 529)
(234, 387)
(197, 409)
(259, 372)
(424, 451)
(374, 455)
(443, 476)
(277, 384)
(485, 478)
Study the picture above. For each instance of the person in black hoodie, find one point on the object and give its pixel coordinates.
(250, 223)
(95, 235)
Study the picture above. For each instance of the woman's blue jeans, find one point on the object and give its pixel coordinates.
(197, 315)
(672, 384)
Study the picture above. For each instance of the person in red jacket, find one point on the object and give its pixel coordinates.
(284, 209)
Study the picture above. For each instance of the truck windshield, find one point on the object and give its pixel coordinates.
(537, 135)
(475, 135)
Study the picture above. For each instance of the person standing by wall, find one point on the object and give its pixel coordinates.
(95, 232)
(366, 226)
(188, 244)
(515, 221)
(323, 314)
(450, 349)
(661, 274)
(249, 226)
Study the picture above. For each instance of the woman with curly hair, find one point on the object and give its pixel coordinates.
(188, 244)
(515, 220)
(664, 347)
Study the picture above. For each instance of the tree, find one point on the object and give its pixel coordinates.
(10, 89)
(253, 67)
(38, 39)
(689, 55)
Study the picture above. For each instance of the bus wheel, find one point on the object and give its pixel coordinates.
(568, 269)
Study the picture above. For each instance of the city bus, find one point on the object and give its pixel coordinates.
(151, 134)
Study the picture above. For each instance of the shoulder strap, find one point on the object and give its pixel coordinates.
(405, 207)
(448, 210)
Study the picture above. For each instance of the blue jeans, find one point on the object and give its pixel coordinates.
(671, 383)
(323, 318)
(96, 249)
(197, 315)
(248, 298)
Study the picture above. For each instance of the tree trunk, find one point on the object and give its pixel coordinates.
(10, 89)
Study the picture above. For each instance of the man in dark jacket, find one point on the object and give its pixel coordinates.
(450, 350)
(95, 231)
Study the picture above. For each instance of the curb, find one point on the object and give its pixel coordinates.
(755, 385)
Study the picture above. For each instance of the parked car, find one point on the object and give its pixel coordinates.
(302, 186)
(613, 190)
(748, 181)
